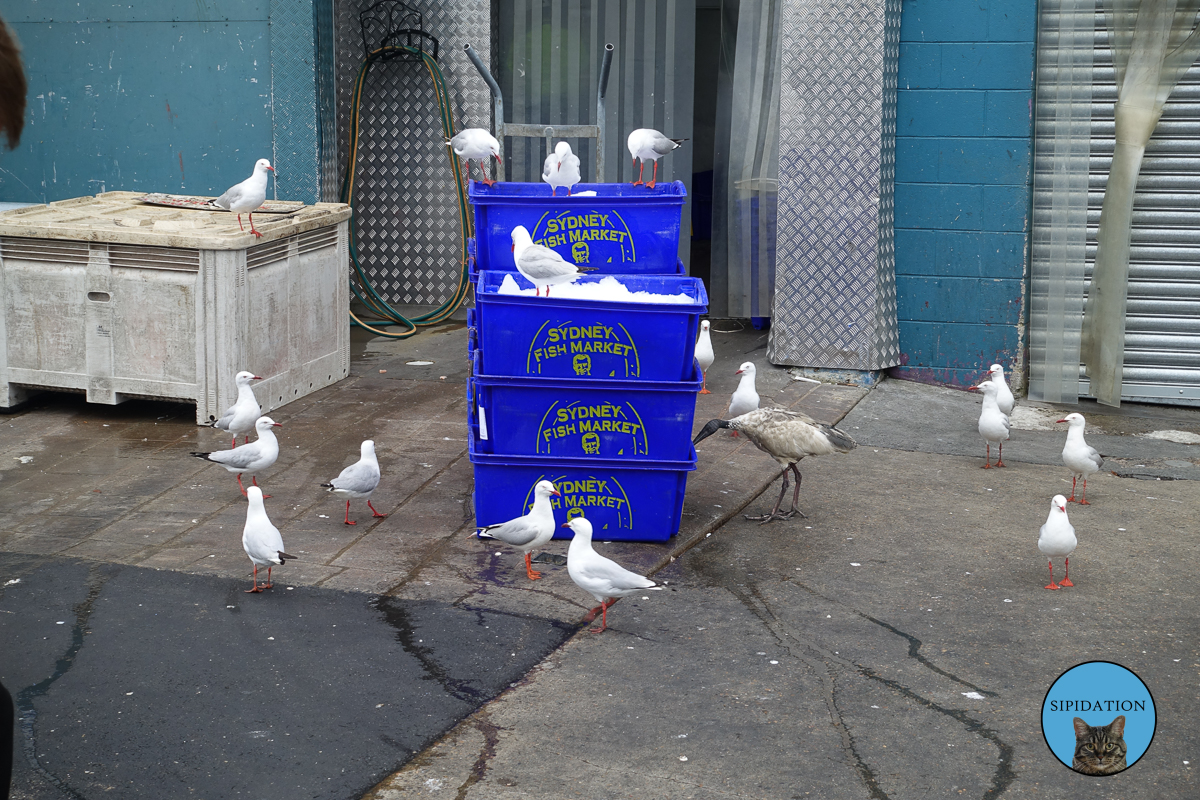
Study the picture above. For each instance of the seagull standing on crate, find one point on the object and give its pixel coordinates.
(540, 265)
(247, 195)
(478, 145)
(561, 169)
(649, 145)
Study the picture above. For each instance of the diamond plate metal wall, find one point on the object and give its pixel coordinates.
(295, 130)
(405, 204)
(835, 284)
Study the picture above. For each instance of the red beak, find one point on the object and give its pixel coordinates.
(556, 494)
(739, 372)
(972, 388)
(514, 247)
(566, 524)
(277, 424)
(271, 168)
(256, 378)
(497, 157)
(1061, 420)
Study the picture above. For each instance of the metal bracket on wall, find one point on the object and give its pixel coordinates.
(391, 23)
(536, 130)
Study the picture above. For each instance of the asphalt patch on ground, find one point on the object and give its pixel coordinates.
(135, 683)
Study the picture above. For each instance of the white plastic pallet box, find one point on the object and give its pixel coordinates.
(121, 299)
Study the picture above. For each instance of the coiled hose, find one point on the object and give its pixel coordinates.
(386, 315)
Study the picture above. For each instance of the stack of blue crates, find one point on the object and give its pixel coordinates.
(596, 396)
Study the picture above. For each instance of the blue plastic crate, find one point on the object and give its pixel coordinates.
(582, 418)
(474, 270)
(624, 502)
(565, 338)
(623, 230)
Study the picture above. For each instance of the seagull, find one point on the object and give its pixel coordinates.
(241, 416)
(247, 195)
(788, 437)
(704, 355)
(745, 398)
(475, 144)
(602, 578)
(253, 457)
(531, 531)
(358, 480)
(1080, 458)
(561, 169)
(649, 145)
(261, 539)
(993, 423)
(539, 264)
(1057, 538)
(1004, 395)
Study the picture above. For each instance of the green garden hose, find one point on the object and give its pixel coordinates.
(387, 316)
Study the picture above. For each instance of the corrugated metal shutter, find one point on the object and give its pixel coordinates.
(1162, 335)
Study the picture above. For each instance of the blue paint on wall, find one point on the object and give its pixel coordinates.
(146, 95)
(963, 182)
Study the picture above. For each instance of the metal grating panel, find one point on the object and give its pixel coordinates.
(835, 295)
(294, 121)
(1162, 331)
(406, 213)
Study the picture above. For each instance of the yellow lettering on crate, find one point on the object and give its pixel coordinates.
(592, 350)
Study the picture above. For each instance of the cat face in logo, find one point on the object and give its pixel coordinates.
(1100, 749)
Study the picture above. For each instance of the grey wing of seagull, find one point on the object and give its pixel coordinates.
(517, 532)
(549, 166)
(239, 457)
(1095, 457)
(226, 418)
(358, 477)
(614, 575)
(540, 262)
(231, 196)
(662, 145)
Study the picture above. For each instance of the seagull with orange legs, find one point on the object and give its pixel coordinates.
(253, 457)
(248, 195)
(649, 145)
(704, 355)
(1057, 538)
(240, 417)
(531, 531)
(358, 480)
(540, 265)
(602, 578)
(261, 539)
(475, 144)
(993, 423)
(1081, 458)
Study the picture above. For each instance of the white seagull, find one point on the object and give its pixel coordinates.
(240, 417)
(1081, 458)
(561, 169)
(475, 144)
(247, 195)
(649, 145)
(704, 355)
(787, 437)
(540, 265)
(358, 480)
(1057, 538)
(993, 423)
(253, 457)
(1004, 395)
(531, 531)
(602, 578)
(261, 539)
(745, 397)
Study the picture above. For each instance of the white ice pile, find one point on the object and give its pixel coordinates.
(607, 289)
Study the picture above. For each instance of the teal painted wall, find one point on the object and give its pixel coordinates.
(964, 165)
(161, 96)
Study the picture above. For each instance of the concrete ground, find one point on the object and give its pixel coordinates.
(895, 643)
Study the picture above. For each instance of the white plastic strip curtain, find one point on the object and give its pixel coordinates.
(1066, 43)
(1153, 42)
(747, 170)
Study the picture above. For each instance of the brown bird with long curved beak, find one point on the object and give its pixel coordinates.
(787, 437)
